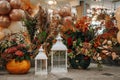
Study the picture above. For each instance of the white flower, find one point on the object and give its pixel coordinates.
(105, 46)
(104, 51)
(99, 58)
(109, 42)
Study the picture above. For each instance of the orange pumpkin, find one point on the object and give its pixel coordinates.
(17, 67)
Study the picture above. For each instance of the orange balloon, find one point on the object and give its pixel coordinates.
(4, 7)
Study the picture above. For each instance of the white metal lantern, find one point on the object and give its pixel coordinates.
(58, 56)
(41, 63)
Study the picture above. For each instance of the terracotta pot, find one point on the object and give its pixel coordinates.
(17, 14)
(4, 21)
(4, 7)
(17, 67)
(16, 4)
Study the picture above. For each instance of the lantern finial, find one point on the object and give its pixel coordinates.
(41, 49)
(41, 54)
(59, 38)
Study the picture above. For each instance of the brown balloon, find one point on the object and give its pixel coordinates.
(17, 14)
(16, 4)
(4, 7)
(4, 21)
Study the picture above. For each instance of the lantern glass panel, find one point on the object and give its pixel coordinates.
(41, 65)
(59, 59)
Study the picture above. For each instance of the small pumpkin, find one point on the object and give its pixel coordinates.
(18, 67)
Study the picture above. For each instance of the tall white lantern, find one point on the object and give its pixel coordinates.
(41, 63)
(58, 56)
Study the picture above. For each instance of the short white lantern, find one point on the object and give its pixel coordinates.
(41, 63)
(58, 56)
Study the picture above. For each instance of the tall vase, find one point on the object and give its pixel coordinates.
(18, 67)
(85, 61)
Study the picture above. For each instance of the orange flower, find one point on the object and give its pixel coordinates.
(21, 46)
(109, 24)
(11, 50)
(82, 25)
(69, 50)
(19, 53)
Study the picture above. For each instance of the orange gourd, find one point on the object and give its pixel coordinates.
(17, 67)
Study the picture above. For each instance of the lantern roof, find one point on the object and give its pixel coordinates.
(59, 44)
(41, 54)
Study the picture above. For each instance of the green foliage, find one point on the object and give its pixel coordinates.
(30, 24)
(42, 36)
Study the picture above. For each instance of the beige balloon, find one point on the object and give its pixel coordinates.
(4, 7)
(117, 14)
(4, 21)
(118, 25)
(118, 36)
